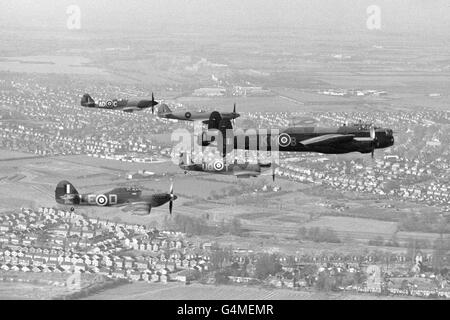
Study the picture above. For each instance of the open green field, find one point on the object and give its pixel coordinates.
(28, 291)
(266, 216)
(176, 291)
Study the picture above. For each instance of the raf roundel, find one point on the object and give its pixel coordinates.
(218, 165)
(101, 200)
(284, 140)
(187, 115)
(109, 103)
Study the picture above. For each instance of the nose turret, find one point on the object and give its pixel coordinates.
(385, 138)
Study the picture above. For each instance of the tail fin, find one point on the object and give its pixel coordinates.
(87, 101)
(214, 120)
(164, 108)
(65, 193)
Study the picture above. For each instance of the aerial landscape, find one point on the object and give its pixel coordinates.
(313, 226)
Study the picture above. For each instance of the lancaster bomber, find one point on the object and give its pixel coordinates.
(363, 138)
(66, 194)
(220, 166)
(126, 105)
(165, 112)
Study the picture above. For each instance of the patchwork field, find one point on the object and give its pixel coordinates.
(265, 216)
(174, 291)
(28, 291)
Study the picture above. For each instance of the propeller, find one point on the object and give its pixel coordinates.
(234, 115)
(154, 103)
(172, 197)
(273, 169)
(373, 136)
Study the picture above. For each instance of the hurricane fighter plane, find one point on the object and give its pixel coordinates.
(220, 166)
(363, 138)
(126, 105)
(66, 194)
(165, 112)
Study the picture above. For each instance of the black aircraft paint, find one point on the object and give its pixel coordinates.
(66, 194)
(126, 105)
(345, 139)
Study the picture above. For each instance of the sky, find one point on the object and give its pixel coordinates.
(412, 16)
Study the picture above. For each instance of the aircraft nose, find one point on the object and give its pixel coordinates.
(392, 140)
(390, 137)
(385, 138)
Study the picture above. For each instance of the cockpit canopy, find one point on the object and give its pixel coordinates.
(129, 190)
(362, 126)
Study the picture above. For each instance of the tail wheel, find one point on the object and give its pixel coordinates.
(101, 200)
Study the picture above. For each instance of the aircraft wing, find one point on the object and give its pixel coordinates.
(327, 139)
(140, 207)
(245, 173)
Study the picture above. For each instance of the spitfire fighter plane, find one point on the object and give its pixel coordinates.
(66, 194)
(125, 105)
(220, 166)
(165, 112)
(360, 137)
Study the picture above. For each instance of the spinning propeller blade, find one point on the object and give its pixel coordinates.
(273, 170)
(171, 198)
(234, 115)
(153, 104)
(373, 136)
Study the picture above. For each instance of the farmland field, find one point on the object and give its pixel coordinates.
(175, 291)
(272, 218)
(27, 291)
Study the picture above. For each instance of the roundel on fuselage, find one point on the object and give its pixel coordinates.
(101, 200)
(188, 115)
(218, 165)
(284, 140)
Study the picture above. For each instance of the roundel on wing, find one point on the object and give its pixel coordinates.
(187, 115)
(101, 200)
(218, 165)
(284, 140)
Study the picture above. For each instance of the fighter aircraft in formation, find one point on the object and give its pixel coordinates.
(220, 166)
(363, 138)
(165, 112)
(66, 194)
(126, 105)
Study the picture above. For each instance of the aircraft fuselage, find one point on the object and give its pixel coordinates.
(308, 139)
